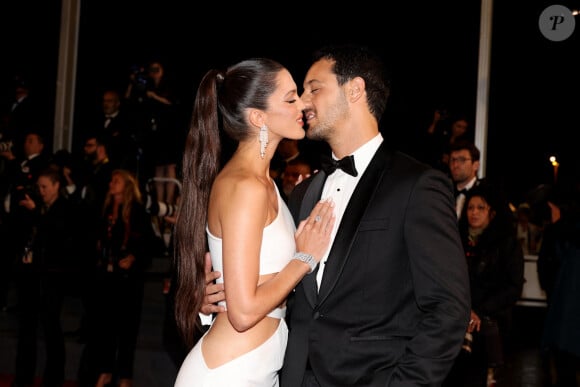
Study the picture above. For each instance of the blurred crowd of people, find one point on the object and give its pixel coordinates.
(74, 224)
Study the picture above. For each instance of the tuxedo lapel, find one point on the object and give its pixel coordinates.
(311, 197)
(361, 197)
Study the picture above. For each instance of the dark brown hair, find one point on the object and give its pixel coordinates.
(351, 61)
(221, 101)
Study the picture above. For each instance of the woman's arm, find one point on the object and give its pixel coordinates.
(243, 217)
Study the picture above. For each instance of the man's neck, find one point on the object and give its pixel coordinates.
(347, 146)
(468, 184)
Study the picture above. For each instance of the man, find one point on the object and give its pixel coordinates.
(22, 174)
(96, 173)
(89, 189)
(287, 150)
(463, 167)
(20, 116)
(389, 303)
(444, 131)
(115, 127)
(298, 168)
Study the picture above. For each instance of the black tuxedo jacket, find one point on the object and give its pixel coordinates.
(120, 135)
(23, 177)
(394, 303)
(27, 116)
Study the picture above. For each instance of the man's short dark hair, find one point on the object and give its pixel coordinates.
(467, 145)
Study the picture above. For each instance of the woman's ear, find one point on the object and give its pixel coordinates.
(256, 118)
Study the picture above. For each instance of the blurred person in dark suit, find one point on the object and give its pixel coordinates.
(463, 169)
(296, 170)
(116, 128)
(91, 184)
(559, 275)
(93, 178)
(20, 115)
(287, 150)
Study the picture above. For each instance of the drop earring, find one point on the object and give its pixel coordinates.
(263, 140)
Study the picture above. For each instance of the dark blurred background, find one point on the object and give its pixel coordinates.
(430, 47)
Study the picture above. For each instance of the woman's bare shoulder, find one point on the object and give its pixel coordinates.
(238, 186)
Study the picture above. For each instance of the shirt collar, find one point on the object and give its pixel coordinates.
(364, 154)
(471, 183)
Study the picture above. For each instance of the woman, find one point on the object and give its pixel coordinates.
(496, 272)
(118, 292)
(250, 232)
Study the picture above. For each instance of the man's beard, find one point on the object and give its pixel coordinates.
(323, 130)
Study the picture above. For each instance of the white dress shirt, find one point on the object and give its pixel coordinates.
(460, 199)
(340, 185)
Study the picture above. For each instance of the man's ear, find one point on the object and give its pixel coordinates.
(356, 88)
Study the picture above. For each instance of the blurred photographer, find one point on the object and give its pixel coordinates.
(137, 87)
(47, 270)
(24, 171)
(21, 175)
(154, 103)
(445, 129)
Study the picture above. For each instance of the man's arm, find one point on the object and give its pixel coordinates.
(214, 293)
(441, 284)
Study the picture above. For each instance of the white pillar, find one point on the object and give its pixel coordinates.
(483, 71)
(66, 74)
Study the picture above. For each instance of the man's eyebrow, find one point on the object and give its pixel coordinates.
(311, 81)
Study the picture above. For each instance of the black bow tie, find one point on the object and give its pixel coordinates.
(329, 165)
(460, 191)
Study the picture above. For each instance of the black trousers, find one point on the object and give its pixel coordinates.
(40, 299)
(118, 301)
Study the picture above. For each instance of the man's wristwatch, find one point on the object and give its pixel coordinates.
(306, 258)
